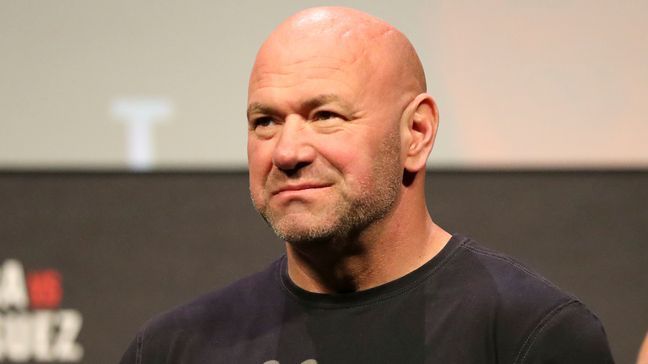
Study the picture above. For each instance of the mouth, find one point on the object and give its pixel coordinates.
(294, 188)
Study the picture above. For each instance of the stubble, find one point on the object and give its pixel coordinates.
(354, 211)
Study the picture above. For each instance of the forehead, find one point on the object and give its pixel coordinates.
(285, 65)
(307, 103)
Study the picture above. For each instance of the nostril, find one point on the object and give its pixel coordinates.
(294, 171)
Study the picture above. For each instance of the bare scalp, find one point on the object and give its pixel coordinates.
(383, 53)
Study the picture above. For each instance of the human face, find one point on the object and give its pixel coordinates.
(323, 146)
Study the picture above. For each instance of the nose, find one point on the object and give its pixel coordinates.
(293, 150)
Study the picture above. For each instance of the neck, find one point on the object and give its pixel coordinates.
(389, 249)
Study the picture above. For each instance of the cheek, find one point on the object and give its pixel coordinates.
(353, 158)
(372, 160)
(259, 165)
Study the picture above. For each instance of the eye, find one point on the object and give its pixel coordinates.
(262, 122)
(325, 115)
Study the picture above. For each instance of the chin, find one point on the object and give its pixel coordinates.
(294, 232)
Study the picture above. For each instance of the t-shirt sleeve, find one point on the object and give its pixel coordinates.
(571, 334)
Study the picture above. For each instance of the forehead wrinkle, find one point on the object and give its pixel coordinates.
(275, 73)
(261, 84)
(305, 105)
(292, 68)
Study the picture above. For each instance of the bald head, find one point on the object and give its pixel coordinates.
(383, 53)
(338, 120)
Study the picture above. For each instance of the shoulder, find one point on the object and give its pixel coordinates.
(498, 281)
(531, 315)
(235, 299)
(217, 317)
(569, 334)
(515, 284)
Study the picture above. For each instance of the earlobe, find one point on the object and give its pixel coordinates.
(422, 122)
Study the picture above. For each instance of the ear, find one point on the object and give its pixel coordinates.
(421, 119)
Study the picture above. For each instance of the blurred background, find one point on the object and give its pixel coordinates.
(123, 182)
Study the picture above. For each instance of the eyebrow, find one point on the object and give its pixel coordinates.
(312, 103)
(259, 108)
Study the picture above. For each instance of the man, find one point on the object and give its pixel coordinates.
(340, 127)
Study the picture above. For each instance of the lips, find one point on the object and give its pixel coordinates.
(299, 187)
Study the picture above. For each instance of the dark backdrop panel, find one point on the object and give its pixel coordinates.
(129, 246)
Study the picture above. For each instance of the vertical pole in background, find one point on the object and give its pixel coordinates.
(140, 114)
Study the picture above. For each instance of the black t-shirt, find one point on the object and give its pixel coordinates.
(466, 305)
